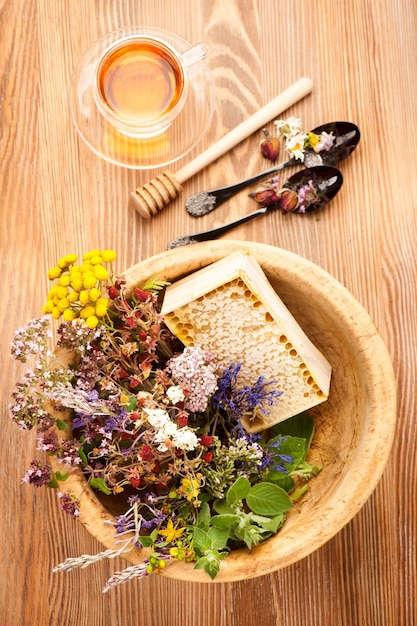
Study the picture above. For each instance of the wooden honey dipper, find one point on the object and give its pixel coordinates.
(152, 197)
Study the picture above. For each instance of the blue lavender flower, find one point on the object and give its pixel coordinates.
(238, 401)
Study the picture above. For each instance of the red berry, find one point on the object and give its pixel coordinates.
(206, 440)
(113, 292)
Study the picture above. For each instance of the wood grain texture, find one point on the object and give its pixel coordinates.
(58, 197)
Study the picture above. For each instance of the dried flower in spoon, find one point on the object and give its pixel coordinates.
(299, 199)
(295, 141)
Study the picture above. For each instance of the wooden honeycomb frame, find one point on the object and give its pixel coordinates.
(230, 309)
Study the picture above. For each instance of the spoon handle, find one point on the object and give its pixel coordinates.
(206, 201)
(207, 235)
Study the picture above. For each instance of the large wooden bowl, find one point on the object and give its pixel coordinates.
(354, 427)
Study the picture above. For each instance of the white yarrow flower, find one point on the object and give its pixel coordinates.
(288, 128)
(157, 417)
(185, 439)
(175, 394)
(295, 146)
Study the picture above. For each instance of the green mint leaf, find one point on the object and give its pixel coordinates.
(221, 507)
(213, 568)
(282, 480)
(146, 541)
(269, 523)
(251, 535)
(301, 425)
(98, 483)
(202, 541)
(82, 455)
(218, 537)
(268, 499)
(238, 491)
(203, 517)
(60, 476)
(224, 521)
(61, 425)
(201, 563)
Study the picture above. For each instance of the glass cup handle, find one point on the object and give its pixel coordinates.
(194, 54)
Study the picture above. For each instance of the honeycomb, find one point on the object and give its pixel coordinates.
(243, 320)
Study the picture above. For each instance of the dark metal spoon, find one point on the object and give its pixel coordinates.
(326, 180)
(347, 138)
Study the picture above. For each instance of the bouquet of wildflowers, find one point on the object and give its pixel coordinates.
(152, 423)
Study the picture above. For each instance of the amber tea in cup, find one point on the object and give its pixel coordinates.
(141, 84)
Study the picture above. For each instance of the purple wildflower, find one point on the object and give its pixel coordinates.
(69, 504)
(307, 196)
(238, 402)
(38, 474)
(48, 441)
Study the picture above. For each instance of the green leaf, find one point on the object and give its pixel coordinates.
(98, 483)
(268, 499)
(203, 517)
(301, 425)
(53, 483)
(224, 521)
(146, 541)
(202, 541)
(82, 455)
(213, 568)
(201, 563)
(282, 480)
(61, 425)
(60, 476)
(210, 563)
(250, 534)
(269, 523)
(238, 491)
(132, 404)
(221, 507)
(218, 537)
(154, 284)
(294, 447)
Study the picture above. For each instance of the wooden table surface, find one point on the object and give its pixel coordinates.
(57, 196)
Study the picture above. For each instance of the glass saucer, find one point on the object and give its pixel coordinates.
(138, 152)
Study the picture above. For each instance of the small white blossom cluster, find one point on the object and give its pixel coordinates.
(290, 131)
(249, 450)
(175, 394)
(167, 432)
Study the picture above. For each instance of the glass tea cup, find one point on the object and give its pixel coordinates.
(141, 83)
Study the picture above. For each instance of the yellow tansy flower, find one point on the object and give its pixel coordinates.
(69, 315)
(54, 272)
(100, 272)
(89, 280)
(91, 321)
(108, 256)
